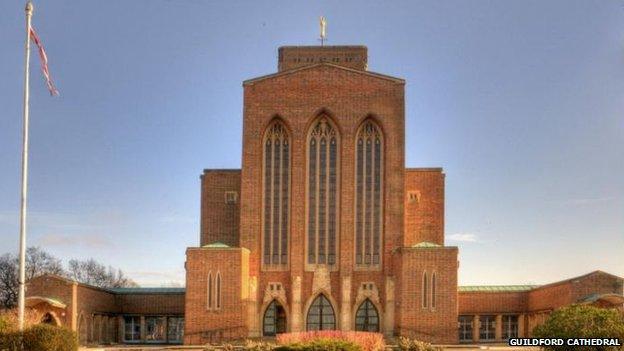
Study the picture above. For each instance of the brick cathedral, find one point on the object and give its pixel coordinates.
(322, 228)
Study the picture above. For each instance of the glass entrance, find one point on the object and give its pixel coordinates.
(274, 319)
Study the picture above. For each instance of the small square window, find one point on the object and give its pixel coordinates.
(231, 197)
(413, 197)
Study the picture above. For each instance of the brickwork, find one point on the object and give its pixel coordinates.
(208, 323)
(492, 302)
(436, 324)
(290, 57)
(220, 219)
(160, 304)
(424, 206)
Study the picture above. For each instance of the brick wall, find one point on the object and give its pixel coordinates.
(204, 324)
(290, 57)
(348, 98)
(159, 304)
(424, 206)
(219, 220)
(439, 324)
(479, 302)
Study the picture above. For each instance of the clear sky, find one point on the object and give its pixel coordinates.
(521, 102)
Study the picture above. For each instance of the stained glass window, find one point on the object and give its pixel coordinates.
(276, 194)
(368, 195)
(323, 223)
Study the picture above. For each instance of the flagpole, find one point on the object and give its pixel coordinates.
(22, 243)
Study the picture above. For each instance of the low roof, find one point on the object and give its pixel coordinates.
(35, 300)
(217, 245)
(615, 299)
(148, 290)
(496, 288)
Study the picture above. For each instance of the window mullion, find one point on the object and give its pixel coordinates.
(317, 177)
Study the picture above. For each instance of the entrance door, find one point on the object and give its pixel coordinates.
(274, 319)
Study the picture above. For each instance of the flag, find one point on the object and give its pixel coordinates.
(44, 62)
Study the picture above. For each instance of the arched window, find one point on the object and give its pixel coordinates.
(425, 290)
(367, 317)
(322, 231)
(209, 290)
(274, 321)
(368, 194)
(218, 291)
(433, 289)
(321, 315)
(276, 194)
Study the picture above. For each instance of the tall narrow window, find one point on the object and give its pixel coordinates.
(218, 291)
(368, 194)
(433, 289)
(425, 290)
(276, 194)
(209, 294)
(322, 231)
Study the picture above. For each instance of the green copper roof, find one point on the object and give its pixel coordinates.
(147, 290)
(217, 245)
(426, 244)
(496, 288)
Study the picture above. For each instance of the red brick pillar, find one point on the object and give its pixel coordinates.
(521, 326)
(475, 328)
(499, 327)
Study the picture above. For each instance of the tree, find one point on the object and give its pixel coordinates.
(38, 262)
(582, 321)
(94, 273)
(8, 281)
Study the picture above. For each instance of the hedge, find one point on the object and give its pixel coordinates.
(320, 344)
(40, 337)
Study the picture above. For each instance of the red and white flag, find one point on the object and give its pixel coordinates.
(44, 62)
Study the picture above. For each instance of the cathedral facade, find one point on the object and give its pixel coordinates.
(323, 227)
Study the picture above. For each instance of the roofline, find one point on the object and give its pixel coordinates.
(208, 170)
(576, 278)
(297, 69)
(424, 169)
(520, 288)
(107, 290)
(316, 47)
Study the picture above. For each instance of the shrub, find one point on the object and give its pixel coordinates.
(582, 321)
(364, 340)
(253, 345)
(5, 324)
(45, 337)
(320, 344)
(11, 341)
(407, 344)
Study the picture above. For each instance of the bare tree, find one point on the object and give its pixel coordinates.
(8, 281)
(94, 273)
(38, 262)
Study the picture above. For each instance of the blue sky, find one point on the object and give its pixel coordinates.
(521, 102)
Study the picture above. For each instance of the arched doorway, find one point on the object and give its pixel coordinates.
(48, 318)
(367, 317)
(321, 315)
(274, 321)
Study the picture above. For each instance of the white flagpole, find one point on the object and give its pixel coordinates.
(22, 244)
